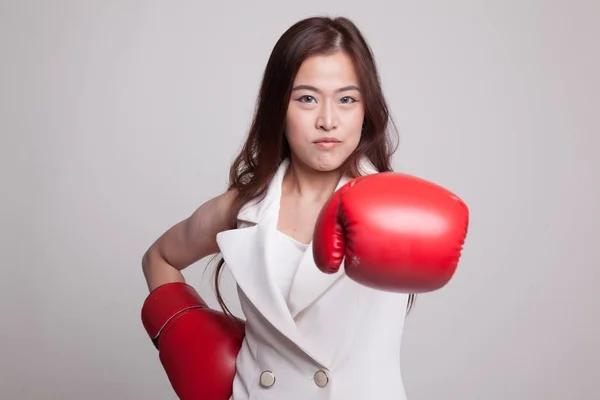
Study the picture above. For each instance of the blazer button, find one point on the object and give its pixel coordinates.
(267, 379)
(321, 378)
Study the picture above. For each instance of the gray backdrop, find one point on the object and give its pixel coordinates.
(119, 118)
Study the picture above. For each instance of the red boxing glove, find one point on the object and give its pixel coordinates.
(397, 233)
(198, 346)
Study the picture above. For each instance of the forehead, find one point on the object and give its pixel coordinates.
(327, 71)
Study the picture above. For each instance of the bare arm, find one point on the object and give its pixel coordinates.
(188, 241)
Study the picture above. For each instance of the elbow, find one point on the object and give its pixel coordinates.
(147, 260)
(146, 264)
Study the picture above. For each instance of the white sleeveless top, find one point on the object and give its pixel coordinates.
(286, 261)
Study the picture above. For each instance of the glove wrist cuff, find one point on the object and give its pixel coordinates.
(164, 303)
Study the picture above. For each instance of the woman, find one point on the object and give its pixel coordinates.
(320, 122)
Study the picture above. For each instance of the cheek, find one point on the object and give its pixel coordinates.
(295, 126)
(355, 123)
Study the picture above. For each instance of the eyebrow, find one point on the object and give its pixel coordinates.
(314, 89)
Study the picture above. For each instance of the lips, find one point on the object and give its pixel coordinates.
(327, 140)
(326, 143)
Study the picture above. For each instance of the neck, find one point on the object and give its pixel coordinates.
(309, 184)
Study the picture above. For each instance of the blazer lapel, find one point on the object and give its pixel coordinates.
(246, 253)
(309, 282)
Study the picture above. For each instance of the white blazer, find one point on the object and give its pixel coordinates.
(337, 339)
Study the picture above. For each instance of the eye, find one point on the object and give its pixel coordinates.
(348, 100)
(306, 99)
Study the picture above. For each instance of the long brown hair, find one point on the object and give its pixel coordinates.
(266, 146)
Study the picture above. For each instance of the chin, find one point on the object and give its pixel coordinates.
(322, 161)
(327, 163)
(325, 168)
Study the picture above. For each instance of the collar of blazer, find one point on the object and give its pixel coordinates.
(247, 253)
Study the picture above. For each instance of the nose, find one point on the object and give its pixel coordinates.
(327, 119)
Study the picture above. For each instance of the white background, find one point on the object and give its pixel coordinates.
(119, 118)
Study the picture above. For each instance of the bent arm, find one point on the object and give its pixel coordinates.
(188, 241)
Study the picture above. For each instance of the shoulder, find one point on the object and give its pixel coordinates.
(227, 205)
(217, 213)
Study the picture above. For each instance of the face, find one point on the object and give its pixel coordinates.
(325, 113)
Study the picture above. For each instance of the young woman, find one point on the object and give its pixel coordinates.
(325, 243)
